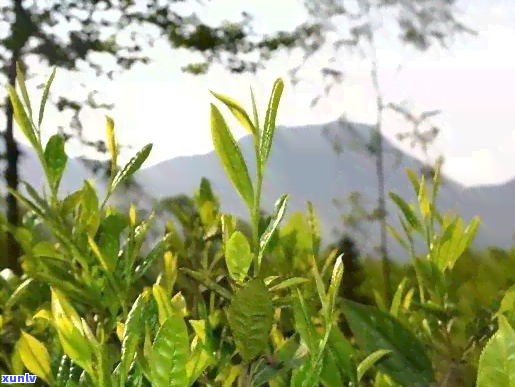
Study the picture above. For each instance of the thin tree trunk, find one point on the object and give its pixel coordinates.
(11, 176)
(381, 201)
(12, 154)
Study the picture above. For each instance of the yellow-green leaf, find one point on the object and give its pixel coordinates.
(111, 144)
(238, 112)
(231, 157)
(22, 119)
(44, 98)
(35, 357)
(265, 144)
(238, 256)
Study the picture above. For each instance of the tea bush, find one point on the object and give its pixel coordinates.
(240, 304)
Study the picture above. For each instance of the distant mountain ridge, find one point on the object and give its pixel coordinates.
(303, 164)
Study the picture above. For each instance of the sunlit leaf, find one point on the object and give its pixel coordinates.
(265, 144)
(231, 157)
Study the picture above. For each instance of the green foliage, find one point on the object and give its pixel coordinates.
(218, 301)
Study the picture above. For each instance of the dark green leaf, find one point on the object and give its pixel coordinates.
(250, 317)
(409, 363)
(56, 159)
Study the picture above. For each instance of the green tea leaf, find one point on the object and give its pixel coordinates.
(397, 298)
(423, 200)
(156, 253)
(497, 361)
(131, 167)
(20, 78)
(288, 283)
(336, 279)
(239, 113)
(414, 180)
(254, 109)
(370, 360)
(304, 325)
(132, 335)
(163, 302)
(344, 354)
(108, 238)
(231, 157)
(408, 364)
(22, 120)
(331, 375)
(89, 215)
(56, 159)
(250, 317)
(111, 144)
(406, 210)
(170, 354)
(308, 374)
(398, 237)
(507, 307)
(63, 373)
(466, 240)
(44, 98)
(277, 216)
(238, 256)
(35, 357)
(265, 143)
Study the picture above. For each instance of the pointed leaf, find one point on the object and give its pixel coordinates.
(423, 200)
(111, 144)
(406, 211)
(265, 143)
(44, 98)
(131, 167)
(231, 157)
(336, 279)
(305, 326)
(370, 360)
(396, 301)
(20, 78)
(254, 109)
(277, 216)
(156, 253)
(288, 283)
(132, 335)
(35, 357)
(414, 180)
(22, 119)
(238, 112)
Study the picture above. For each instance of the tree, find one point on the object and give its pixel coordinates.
(75, 35)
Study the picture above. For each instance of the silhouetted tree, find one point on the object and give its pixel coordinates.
(78, 34)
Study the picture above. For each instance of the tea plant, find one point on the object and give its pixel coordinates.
(256, 307)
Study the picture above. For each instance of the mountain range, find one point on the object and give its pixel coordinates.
(304, 164)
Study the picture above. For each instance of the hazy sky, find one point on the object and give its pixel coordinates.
(473, 84)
